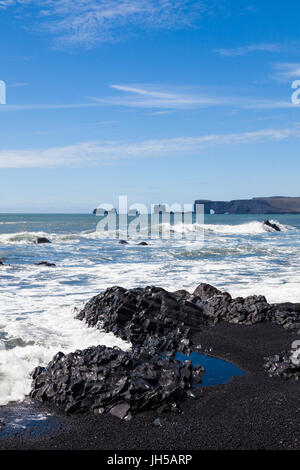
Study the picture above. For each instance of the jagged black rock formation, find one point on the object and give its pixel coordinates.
(45, 263)
(220, 306)
(149, 317)
(1, 263)
(283, 365)
(272, 225)
(155, 318)
(42, 240)
(102, 379)
(206, 291)
(158, 324)
(183, 293)
(287, 315)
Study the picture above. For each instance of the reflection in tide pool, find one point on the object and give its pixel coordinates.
(216, 372)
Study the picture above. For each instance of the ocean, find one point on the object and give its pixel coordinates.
(38, 304)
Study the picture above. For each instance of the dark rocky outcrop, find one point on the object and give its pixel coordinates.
(102, 379)
(206, 291)
(271, 225)
(158, 323)
(183, 293)
(45, 263)
(1, 263)
(143, 244)
(149, 317)
(220, 306)
(123, 242)
(42, 240)
(287, 314)
(137, 315)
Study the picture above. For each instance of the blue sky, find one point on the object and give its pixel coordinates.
(160, 100)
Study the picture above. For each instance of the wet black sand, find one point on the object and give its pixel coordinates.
(249, 412)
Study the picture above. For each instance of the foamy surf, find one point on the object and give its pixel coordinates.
(43, 334)
(249, 228)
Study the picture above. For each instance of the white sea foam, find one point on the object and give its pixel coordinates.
(46, 325)
(249, 228)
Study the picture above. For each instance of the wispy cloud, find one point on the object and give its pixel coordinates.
(181, 98)
(285, 72)
(107, 153)
(161, 100)
(86, 22)
(151, 96)
(6, 3)
(245, 50)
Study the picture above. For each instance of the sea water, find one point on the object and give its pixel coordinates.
(38, 304)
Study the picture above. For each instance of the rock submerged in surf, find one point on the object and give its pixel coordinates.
(40, 240)
(272, 225)
(45, 263)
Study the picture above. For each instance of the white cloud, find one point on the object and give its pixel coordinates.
(151, 96)
(180, 98)
(160, 99)
(285, 72)
(90, 21)
(106, 153)
(245, 50)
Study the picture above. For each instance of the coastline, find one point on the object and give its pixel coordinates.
(249, 412)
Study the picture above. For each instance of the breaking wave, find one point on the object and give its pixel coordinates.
(249, 228)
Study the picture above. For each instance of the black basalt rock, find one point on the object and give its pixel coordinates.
(220, 306)
(206, 291)
(272, 225)
(287, 315)
(45, 263)
(183, 293)
(149, 317)
(40, 240)
(102, 379)
(157, 323)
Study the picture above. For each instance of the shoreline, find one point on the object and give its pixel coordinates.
(253, 411)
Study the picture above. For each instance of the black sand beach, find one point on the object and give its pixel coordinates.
(249, 412)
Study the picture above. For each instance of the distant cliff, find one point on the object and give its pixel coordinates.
(257, 205)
